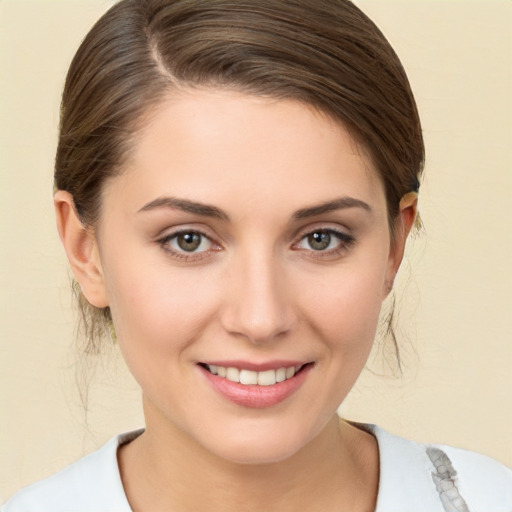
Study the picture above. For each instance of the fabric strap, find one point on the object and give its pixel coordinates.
(444, 480)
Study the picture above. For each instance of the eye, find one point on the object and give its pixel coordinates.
(325, 240)
(319, 240)
(187, 242)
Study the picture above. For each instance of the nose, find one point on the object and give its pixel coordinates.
(259, 305)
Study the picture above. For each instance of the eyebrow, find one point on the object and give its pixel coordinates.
(329, 206)
(206, 210)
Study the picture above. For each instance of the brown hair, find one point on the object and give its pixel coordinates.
(325, 53)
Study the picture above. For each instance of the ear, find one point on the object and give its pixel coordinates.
(81, 248)
(408, 210)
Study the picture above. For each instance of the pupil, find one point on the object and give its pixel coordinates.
(319, 241)
(189, 241)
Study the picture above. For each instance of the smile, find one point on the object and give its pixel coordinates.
(256, 386)
(249, 377)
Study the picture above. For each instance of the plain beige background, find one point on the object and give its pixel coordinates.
(456, 327)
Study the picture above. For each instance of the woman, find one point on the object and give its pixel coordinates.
(235, 183)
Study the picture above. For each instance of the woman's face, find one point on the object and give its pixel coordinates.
(246, 240)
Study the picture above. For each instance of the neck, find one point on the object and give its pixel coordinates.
(165, 470)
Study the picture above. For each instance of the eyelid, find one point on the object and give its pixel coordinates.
(345, 237)
(326, 227)
(166, 236)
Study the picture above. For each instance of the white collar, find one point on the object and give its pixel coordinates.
(405, 481)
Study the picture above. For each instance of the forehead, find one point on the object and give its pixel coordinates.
(224, 146)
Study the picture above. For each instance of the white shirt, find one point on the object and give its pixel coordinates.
(413, 478)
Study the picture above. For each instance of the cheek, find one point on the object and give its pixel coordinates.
(159, 309)
(344, 306)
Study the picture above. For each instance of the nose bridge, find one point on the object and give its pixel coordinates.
(259, 305)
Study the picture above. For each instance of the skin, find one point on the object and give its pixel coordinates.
(255, 290)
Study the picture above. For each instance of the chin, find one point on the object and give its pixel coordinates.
(258, 453)
(259, 444)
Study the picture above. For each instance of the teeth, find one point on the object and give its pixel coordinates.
(248, 377)
(267, 378)
(233, 374)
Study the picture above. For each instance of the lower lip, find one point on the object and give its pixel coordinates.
(254, 396)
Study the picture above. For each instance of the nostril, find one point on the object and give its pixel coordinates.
(259, 325)
(259, 304)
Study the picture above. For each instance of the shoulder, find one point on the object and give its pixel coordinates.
(93, 483)
(427, 478)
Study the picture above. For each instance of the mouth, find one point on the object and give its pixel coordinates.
(247, 377)
(256, 386)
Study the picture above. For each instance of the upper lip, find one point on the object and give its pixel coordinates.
(256, 367)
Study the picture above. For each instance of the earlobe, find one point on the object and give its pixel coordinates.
(81, 249)
(408, 210)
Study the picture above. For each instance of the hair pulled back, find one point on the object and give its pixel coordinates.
(325, 53)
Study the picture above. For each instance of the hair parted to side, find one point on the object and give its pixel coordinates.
(324, 53)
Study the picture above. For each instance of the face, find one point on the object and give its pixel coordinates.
(245, 253)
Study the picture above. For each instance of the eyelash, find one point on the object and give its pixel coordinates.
(184, 255)
(345, 242)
